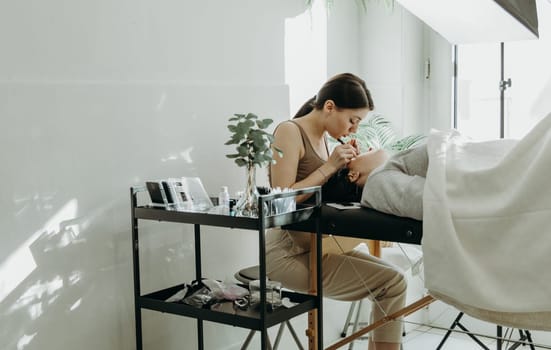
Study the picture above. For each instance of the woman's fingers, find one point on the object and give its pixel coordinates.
(343, 154)
(351, 151)
(354, 143)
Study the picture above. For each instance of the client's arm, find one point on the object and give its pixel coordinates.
(397, 187)
(394, 192)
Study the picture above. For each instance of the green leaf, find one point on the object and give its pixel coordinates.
(266, 157)
(243, 151)
(408, 142)
(279, 151)
(258, 139)
(245, 126)
(240, 162)
(378, 132)
(253, 142)
(264, 123)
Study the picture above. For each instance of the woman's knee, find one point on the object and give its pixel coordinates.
(398, 284)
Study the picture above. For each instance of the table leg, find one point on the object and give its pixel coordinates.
(311, 332)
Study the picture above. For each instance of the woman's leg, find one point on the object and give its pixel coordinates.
(348, 277)
(285, 262)
(383, 346)
(357, 275)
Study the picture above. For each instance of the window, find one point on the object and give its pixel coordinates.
(477, 92)
(480, 103)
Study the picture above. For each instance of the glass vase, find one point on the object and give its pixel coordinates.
(247, 205)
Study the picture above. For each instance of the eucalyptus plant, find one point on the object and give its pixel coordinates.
(254, 144)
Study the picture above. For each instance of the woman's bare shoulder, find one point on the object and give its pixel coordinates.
(287, 129)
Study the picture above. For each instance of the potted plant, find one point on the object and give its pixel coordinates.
(377, 132)
(254, 148)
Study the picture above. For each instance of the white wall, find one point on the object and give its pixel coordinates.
(96, 97)
(344, 31)
(388, 47)
(438, 87)
(393, 55)
(305, 54)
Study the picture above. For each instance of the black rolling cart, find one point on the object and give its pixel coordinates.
(260, 319)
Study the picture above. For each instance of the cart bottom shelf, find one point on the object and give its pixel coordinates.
(226, 312)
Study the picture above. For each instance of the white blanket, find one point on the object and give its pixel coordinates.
(487, 226)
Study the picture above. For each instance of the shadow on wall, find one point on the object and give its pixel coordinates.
(75, 288)
(85, 125)
(65, 264)
(69, 287)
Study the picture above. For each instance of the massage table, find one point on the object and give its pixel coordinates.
(365, 224)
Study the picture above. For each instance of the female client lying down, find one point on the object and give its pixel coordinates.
(392, 185)
(486, 217)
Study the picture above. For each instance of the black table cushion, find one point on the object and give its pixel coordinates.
(364, 223)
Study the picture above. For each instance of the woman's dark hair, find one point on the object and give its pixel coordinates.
(346, 90)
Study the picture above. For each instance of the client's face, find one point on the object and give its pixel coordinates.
(360, 167)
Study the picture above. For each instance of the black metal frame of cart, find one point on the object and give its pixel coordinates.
(261, 320)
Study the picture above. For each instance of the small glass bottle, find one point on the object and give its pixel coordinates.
(224, 201)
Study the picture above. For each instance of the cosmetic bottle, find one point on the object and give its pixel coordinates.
(224, 201)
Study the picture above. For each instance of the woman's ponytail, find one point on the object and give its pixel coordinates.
(306, 108)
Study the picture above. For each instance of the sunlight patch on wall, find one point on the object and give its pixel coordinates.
(76, 304)
(161, 102)
(25, 340)
(169, 158)
(305, 54)
(16, 267)
(35, 310)
(74, 277)
(36, 293)
(21, 263)
(184, 155)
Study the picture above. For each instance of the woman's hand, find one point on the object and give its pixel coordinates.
(354, 143)
(342, 154)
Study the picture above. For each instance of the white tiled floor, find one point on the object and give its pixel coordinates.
(427, 338)
(421, 337)
(424, 338)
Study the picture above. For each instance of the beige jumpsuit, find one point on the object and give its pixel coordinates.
(349, 276)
